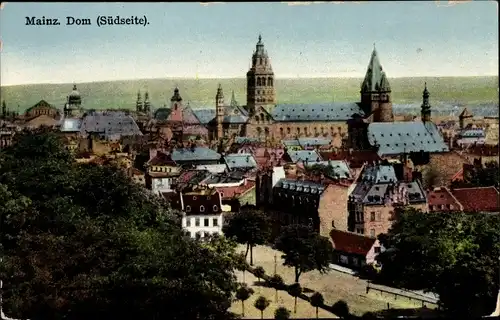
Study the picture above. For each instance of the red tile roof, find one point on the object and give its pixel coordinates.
(349, 242)
(230, 192)
(441, 199)
(482, 199)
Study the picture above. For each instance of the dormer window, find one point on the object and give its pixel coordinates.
(216, 208)
(202, 209)
(195, 197)
(188, 208)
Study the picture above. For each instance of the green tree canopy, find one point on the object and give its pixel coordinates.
(84, 242)
(249, 226)
(304, 249)
(454, 255)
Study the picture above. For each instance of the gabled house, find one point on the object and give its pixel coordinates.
(161, 172)
(480, 199)
(442, 200)
(354, 250)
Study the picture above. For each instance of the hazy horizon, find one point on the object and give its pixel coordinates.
(235, 78)
(190, 40)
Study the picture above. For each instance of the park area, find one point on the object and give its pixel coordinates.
(334, 286)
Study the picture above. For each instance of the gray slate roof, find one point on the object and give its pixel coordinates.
(379, 174)
(110, 124)
(204, 115)
(335, 111)
(194, 154)
(240, 160)
(246, 140)
(339, 167)
(416, 192)
(304, 142)
(291, 143)
(472, 133)
(394, 138)
(300, 186)
(304, 156)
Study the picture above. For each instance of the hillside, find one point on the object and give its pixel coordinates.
(122, 94)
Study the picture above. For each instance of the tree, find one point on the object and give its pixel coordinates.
(295, 290)
(259, 272)
(242, 294)
(282, 313)
(304, 249)
(261, 304)
(341, 309)
(82, 241)
(369, 316)
(317, 301)
(241, 264)
(277, 283)
(250, 227)
(454, 255)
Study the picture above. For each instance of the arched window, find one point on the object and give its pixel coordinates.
(257, 119)
(288, 130)
(259, 130)
(202, 209)
(264, 81)
(259, 82)
(268, 118)
(216, 208)
(266, 131)
(281, 132)
(306, 131)
(175, 106)
(262, 117)
(270, 81)
(298, 130)
(188, 208)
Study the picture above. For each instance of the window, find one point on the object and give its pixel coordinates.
(288, 130)
(197, 222)
(202, 209)
(377, 249)
(215, 208)
(372, 216)
(188, 208)
(372, 233)
(379, 216)
(188, 234)
(188, 222)
(195, 197)
(198, 235)
(215, 222)
(206, 222)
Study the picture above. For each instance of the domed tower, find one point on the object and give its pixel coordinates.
(260, 80)
(425, 112)
(176, 100)
(74, 103)
(376, 92)
(138, 104)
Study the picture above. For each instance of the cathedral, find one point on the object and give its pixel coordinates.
(348, 124)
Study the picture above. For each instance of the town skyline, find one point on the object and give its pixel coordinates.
(217, 41)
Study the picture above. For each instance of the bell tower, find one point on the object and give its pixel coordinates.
(376, 92)
(260, 80)
(219, 111)
(425, 112)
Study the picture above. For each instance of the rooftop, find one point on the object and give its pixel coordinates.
(194, 154)
(349, 242)
(393, 138)
(441, 199)
(335, 111)
(240, 160)
(300, 186)
(482, 199)
(303, 155)
(337, 168)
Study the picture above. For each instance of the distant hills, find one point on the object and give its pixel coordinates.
(201, 93)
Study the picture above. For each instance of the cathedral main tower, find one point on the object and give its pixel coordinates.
(260, 80)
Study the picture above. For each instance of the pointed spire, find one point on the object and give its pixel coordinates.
(234, 103)
(176, 97)
(220, 93)
(426, 106)
(374, 73)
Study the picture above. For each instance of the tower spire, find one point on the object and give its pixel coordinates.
(425, 112)
(138, 104)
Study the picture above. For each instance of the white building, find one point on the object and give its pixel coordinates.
(203, 212)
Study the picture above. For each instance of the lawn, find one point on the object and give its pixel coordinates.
(334, 286)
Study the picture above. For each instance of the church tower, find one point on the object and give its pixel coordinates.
(425, 112)
(4, 109)
(73, 105)
(260, 80)
(219, 111)
(138, 104)
(147, 104)
(376, 92)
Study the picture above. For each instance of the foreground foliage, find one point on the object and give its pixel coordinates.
(455, 255)
(82, 242)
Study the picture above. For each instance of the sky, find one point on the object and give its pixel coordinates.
(189, 40)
